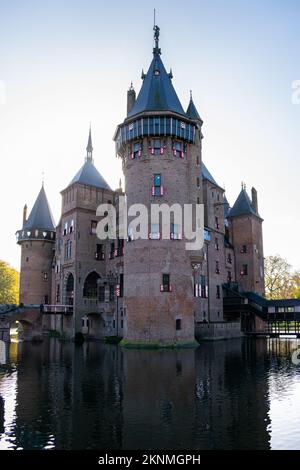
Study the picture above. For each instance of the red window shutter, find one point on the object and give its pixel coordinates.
(132, 155)
(182, 155)
(153, 190)
(162, 150)
(161, 190)
(170, 289)
(161, 288)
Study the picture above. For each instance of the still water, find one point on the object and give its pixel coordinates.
(238, 394)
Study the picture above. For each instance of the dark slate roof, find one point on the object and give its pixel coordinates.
(226, 207)
(40, 216)
(243, 206)
(192, 112)
(89, 175)
(206, 174)
(157, 92)
(258, 299)
(284, 303)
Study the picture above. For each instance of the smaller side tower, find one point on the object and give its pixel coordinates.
(245, 227)
(37, 241)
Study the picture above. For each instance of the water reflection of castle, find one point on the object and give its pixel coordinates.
(100, 396)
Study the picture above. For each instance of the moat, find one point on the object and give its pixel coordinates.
(235, 394)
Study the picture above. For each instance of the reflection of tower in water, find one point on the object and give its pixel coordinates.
(232, 395)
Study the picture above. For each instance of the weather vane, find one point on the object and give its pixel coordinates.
(156, 35)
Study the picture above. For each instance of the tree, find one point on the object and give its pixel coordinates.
(296, 281)
(9, 284)
(280, 281)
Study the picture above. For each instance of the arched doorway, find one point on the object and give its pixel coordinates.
(16, 331)
(70, 290)
(90, 288)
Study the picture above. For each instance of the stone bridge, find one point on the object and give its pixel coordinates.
(30, 317)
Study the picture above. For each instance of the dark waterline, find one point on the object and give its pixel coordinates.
(239, 394)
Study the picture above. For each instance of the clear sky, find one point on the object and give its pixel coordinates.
(66, 63)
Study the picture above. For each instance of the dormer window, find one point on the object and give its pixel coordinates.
(156, 147)
(136, 150)
(178, 149)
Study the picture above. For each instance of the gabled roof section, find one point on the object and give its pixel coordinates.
(207, 175)
(243, 205)
(192, 112)
(90, 176)
(40, 216)
(226, 207)
(157, 92)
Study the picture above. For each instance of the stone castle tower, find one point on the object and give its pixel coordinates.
(37, 240)
(245, 225)
(160, 148)
(80, 258)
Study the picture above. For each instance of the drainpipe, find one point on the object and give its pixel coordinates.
(208, 283)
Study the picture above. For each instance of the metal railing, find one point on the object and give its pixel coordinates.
(60, 309)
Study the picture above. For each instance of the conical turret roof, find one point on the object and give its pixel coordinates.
(89, 175)
(40, 216)
(192, 112)
(243, 205)
(157, 92)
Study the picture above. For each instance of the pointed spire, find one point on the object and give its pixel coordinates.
(157, 92)
(40, 216)
(89, 148)
(156, 29)
(191, 111)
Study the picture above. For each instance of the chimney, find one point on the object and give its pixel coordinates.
(254, 199)
(130, 98)
(24, 214)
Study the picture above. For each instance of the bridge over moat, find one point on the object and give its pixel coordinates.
(260, 316)
(252, 314)
(31, 318)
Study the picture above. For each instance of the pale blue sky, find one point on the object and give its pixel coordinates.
(65, 63)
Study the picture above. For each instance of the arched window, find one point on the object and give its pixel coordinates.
(90, 285)
(70, 290)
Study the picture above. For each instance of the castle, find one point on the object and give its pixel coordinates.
(148, 291)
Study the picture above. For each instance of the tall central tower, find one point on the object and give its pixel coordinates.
(160, 147)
